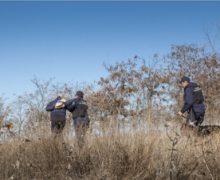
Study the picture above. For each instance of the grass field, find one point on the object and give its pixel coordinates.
(140, 155)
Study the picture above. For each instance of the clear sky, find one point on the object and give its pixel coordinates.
(69, 41)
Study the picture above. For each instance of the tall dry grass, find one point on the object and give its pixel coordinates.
(140, 155)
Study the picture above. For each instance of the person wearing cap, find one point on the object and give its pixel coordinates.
(193, 102)
(57, 115)
(78, 107)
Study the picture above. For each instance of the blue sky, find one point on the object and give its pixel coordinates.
(69, 41)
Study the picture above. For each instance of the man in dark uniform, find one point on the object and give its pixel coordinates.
(58, 114)
(193, 102)
(78, 107)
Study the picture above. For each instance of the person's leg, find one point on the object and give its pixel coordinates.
(60, 126)
(80, 130)
(199, 111)
(57, 127)
(76, 123)
(53, 127)
(191, 119)
(199, 118)
(79, 136)
(87, 122)
(84, 128)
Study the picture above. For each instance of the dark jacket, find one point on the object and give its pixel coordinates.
(78, 107)
(56, 114)
(193, 98)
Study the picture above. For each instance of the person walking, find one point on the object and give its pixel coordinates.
(78, 107)
(57, 111)
(193, 102)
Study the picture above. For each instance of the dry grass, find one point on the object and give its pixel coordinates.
(151, 155)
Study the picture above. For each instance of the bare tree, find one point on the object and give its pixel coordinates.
(36, 103)
(19, 114)
(4, 112)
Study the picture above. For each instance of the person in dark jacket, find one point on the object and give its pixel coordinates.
(78, 107)
(58, 114)
(193, 102)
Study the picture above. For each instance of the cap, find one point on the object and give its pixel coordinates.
(184, 78)
(79, 93)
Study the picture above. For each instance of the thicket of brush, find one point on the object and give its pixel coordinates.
(134, 92)
(152, 155)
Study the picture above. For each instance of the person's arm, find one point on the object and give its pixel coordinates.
(188, 101)
(51, 105)
(70, 105)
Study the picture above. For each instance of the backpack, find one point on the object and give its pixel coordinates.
(198, 97)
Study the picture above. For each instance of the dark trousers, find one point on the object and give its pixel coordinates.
(58, 121)
(57, 126)
(81, 125)
(195, 117)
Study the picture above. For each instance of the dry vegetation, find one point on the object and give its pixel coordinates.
(134, 132)
(153, 155)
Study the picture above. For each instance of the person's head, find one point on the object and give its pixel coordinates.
(184, 81)
(59, 96)
(79, 94)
